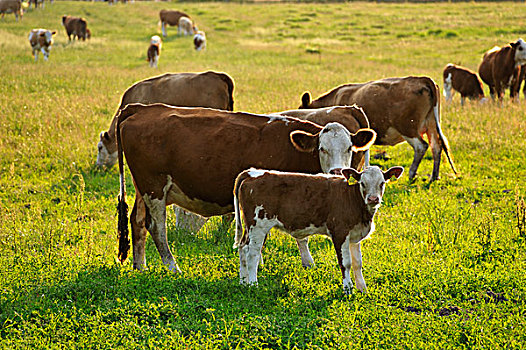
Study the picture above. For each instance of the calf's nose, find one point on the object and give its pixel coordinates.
(373, 200)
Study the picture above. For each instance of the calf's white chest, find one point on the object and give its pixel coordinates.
(361, 231)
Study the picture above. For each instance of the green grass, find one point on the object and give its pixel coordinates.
(445, 267)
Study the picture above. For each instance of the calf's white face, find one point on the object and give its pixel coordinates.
(520, 52)
(372, 183)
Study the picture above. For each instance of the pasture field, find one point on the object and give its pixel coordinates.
(445, 267)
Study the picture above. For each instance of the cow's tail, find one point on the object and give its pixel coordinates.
(239, 227)
(122, 207)
(435, 101)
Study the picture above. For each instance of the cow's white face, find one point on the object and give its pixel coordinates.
(49, 37)
(520, 52)
(335, 147)
(104, 157)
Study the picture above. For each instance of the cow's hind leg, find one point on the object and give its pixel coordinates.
(157, 228)
(436, 148)
(420, 148)
(138, 221)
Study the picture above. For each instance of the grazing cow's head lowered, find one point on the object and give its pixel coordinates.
(335, 145)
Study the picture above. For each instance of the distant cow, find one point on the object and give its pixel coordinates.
(398, 109)
(191, 156)
(41, 40)
(352, 117)
(36, 3)
(186, 26)
(500, 67)
(154, 50)
(14, 6)
(200, 40)
(305, 205)
(206, 89)
(463, 80)
(518, 80)
(76, 27)
(170, 17)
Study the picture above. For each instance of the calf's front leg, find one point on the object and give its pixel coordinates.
(356, 254)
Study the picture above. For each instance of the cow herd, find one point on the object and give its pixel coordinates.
(184, 145)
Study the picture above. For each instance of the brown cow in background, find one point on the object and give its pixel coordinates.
(14, 6)
(500, 68)
(76, 27)
(170, 17)
(463, 80)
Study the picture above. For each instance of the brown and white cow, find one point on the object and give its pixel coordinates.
(334, 208)
(206, 89)
(76, 27)
(398, 109)
(154, 50)
(191, 156)
(170, 17)
(41, 40)
(352, 117)
(463, 80)
(186, 26)
(500, 68)
(14, 6)
(199, 40)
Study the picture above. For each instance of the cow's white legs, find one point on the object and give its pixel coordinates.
(243, 268)
(346, 266)
(187, 220)
(45, 53)
(447, 88)
(35, 54)
(157, 228)
(356, 254)
(137, 220)
(420, 148)
(163, 28)
(306, 257)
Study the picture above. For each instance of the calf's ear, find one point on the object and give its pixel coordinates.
(305, 100)
(53, 32)
(304, 141)
(395, 171)
(363, 139)
(348, 172)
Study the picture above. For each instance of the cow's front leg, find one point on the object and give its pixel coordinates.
(157, 228)
(344, 260)
(356, 254)
(306, 257)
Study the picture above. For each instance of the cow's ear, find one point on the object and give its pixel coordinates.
(363, 139)
(395, 171)
(514, 44)
(54, 32)
(350, 172)
(304, 141)
(305, 100)
(104, 136)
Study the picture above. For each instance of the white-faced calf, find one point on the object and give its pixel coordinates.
(200, 40)
(154, 50)
(41, 40)
(304, 205)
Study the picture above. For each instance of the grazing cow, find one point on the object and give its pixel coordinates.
(75, 26)
(206, 89)
(463, 80)
(186, 26)
(200, 40)
(500, 67)
(170, 17)
(41, 40)
(191, 156)
(8, 6)
(352, 117)
(154, 50)
(334, 208)
(398, 109)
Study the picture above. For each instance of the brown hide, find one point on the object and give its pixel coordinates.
(203, 150)
(14, 6)
(498, 68)
(171, 17)
(153, 50)
(465, 81)
(75, 26)
(206, 89)
(352, 117)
